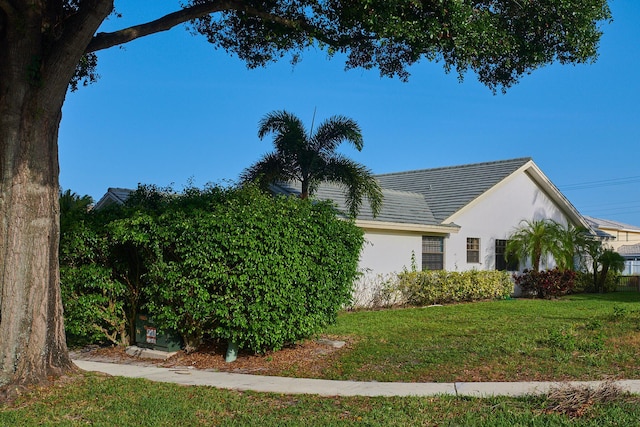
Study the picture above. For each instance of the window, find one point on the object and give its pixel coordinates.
(501, 262)
(432, 253)
(473, 249)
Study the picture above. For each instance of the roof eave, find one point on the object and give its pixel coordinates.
(399, 226)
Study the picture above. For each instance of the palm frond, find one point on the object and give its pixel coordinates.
(289, 134)
(270, 169)
(311, 159)
(358, 182)
(536, 240)
(334, 131)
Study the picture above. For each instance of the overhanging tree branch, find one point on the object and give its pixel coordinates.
(106, 40)
(103, 41)
(8, 8)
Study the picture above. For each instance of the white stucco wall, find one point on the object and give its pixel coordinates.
(389, 251)
(495, 215)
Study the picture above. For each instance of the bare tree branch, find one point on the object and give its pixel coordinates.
(106, 40)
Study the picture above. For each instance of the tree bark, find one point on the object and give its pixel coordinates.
(32, 339)
(35, 69)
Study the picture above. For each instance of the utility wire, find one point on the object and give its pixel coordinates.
(602, 183)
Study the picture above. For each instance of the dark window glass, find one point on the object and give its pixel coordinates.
(432, 253)
(501, 262)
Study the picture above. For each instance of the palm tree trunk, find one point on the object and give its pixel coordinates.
(304, 194)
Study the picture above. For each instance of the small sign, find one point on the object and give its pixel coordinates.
(151, 334)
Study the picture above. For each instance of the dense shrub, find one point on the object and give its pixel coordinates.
(232, 264)
(546, 284)
(94, 308)
(438, 287)
(584, 282)
(255, 270)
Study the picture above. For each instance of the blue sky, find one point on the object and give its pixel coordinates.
(168, 109)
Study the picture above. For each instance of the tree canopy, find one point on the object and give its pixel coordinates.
(498, 40)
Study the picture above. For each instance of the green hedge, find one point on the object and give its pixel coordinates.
(93, 298)
(584, 282)
(226, 263)
(421, 288)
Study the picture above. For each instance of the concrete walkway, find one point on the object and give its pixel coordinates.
(261, 383)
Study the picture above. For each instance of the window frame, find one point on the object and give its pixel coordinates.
(473, 250)
(432, 260)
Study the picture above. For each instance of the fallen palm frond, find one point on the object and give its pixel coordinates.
(574, 400)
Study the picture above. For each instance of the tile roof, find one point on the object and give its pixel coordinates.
(449, 189)
(423, 197)
(426, 196)
(606, 223)
(629, 250)
(397, 206)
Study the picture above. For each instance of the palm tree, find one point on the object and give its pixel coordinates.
(574, 243)
(535, 240)
(72, 207)
(609, 260)
(311, 158)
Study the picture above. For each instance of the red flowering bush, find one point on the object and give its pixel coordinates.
(546, 284)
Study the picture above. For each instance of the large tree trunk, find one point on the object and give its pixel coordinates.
(37, 60)
(32, 339)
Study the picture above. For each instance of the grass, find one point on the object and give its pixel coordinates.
(580, 337)
(89, 399)
(577, 337)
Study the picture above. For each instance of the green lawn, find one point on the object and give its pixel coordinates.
(102, 401)
(580, 337)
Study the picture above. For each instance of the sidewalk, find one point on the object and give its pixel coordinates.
(261, 383)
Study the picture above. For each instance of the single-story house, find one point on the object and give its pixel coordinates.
(453, 218)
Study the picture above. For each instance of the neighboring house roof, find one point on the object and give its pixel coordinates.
(113, 195)
(630, 251)
(611, 225)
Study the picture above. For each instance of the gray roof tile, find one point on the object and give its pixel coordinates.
(629, 250)
(113, 195)
(449, 189)
(397, 206)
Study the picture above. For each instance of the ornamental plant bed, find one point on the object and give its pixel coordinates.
(306, 359)
(577, 337)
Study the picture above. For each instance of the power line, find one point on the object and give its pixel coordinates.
(625, 204)
(601, 183)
